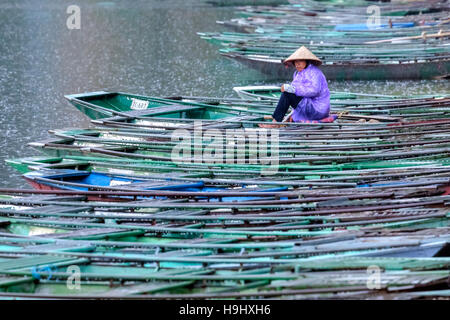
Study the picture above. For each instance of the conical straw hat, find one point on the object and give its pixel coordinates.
(303, 54)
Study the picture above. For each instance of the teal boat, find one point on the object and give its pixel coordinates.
(103, 104)
(119, 109)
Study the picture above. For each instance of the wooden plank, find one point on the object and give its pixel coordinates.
(229, 122)
(384, 263)
(146, 288)
(6, 282)
(82, 233)
(32, 261)
(58, 246)
(358, 278)
(55, 209)
(159, 110)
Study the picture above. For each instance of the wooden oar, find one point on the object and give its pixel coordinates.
(286, 118)
(424, 36)
(346, 115)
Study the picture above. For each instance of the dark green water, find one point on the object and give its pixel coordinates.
(147, 47)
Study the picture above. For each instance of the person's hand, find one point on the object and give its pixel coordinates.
(282, 88)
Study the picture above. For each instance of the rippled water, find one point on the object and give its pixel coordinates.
(147, 47)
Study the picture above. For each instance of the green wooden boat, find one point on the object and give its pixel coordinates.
(221, 113)
(103, 104)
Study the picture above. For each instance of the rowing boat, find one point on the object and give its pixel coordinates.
(362, 69)
(66, 179)
(106, 104)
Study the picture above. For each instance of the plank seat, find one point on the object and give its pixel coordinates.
(58, 246)
(145, 288)
(230, 122)
(158, 110)
(32, 261)
(57, 209)
(81, 233)
(154, 184)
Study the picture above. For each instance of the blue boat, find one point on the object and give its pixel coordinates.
(77, 180)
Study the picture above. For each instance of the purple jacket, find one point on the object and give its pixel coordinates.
(311, 84)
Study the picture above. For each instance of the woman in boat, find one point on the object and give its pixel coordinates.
(307, 94)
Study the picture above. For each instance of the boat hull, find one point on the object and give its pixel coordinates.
(364, 71)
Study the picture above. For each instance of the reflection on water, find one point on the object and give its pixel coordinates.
(148, 47)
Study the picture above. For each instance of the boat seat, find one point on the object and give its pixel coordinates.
(43, 198)
(140, 185)
(229, 122)
(141, 288)
(55, 209)
(179, 212)
(155, 184)
(58, 246)
(82, 233)
(32, 261)
(159, 110)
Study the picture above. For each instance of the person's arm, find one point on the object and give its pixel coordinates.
(288, 88)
